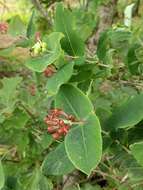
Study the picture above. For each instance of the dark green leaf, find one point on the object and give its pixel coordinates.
(137, 152)
(57, 162)
(132, 61)
(31, 26)
(84, 145)
(73, 101)
(59, 78)
(128, 114)
(72, 43)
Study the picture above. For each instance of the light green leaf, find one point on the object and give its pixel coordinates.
(72, 42)
(2, 178)
(137, 151)
(84, 145)
(40, 63)
(128, 114)
(128, 15)
(8, 93)
(59, 78)
(57, 162)
(16, 26)
(73, 101)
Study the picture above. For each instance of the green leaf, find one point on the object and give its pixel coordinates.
(39, 64)
(59, 78)
(31, 26)
(8, 93)
(128, 114)
(102, 45)
(16, 26)
(57, 162)
(132, 60)
(46, 141)
(72, 43)
(45, 184)
(137, 151)
(18, 119)
(84, 145)
(2, 178)
(73, 101)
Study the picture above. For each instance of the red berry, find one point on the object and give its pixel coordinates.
(50, 129)
(56, 136)
(66, 129)
(61, 131)
(49, 71)
(61, 123)
(51, 122)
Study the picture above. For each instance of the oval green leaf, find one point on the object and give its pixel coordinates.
(84, 145)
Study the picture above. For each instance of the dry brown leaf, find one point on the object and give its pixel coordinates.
(7, 40)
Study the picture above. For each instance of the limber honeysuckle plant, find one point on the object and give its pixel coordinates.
(72, 120)
(48, 126)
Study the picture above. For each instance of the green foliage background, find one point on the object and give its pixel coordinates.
(102, 88)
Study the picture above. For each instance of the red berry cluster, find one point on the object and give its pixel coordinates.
(57, 126)
(49, 71)
(3, 27)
